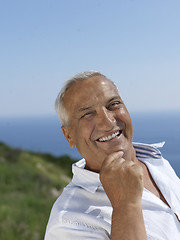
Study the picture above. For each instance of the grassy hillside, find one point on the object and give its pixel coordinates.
(29, 185)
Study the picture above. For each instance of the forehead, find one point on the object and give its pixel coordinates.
(89, 92)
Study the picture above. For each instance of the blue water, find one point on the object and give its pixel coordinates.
(43, 134)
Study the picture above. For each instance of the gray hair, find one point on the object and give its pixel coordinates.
(59, 105)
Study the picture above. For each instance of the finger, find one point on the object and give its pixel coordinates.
(128, 163)
(111, 158)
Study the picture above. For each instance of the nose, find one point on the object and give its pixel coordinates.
(105, 120)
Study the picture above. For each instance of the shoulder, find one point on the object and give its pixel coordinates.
(74, 215)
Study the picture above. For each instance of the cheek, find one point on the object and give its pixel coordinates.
(129, 128)
(82, 134)
(124, 116)
(86, 128)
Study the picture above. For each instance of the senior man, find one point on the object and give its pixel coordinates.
(120, 190)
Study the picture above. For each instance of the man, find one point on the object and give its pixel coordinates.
(120, 190)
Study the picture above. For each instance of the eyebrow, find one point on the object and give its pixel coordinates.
(85, 109)
(90, 107)
(114, 98)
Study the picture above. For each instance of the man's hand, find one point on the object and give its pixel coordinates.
(122, 179)
(123, 183)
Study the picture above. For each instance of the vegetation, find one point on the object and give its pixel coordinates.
(29, 185)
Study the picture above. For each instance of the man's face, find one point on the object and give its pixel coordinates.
(99, 121)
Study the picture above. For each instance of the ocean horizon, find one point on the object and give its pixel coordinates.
(43, 134)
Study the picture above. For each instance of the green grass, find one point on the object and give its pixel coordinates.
(29, 185)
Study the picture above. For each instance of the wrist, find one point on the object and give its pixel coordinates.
(127, 206)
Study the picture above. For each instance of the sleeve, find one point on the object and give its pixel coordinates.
(150, 237)
(69, 233)
(76, 226)
(58, 233)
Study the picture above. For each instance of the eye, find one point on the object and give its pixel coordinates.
(113, 105)
(87, 115)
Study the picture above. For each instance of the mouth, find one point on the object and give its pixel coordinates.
(110, 137)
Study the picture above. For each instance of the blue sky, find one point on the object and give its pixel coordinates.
(136, 43)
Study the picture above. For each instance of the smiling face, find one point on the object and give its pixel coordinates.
(99, 121)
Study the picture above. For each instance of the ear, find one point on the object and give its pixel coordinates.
(66, 131)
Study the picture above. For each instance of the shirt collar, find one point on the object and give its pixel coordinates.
(84, 178)
(148, 150)
(90, 180)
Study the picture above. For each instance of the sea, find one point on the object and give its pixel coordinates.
(42, 134)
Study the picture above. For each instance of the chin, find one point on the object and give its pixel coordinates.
(117, 149)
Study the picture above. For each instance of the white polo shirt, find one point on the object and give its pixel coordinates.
(83, 211)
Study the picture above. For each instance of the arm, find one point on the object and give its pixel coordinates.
(128, 223)
(123, 183)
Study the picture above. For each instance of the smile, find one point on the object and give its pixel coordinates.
(108, 138)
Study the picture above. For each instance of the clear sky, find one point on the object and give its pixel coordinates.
(136, 43)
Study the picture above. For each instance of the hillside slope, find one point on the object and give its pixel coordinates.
(29, 184)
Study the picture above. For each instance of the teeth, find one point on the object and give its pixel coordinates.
(104, 139)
